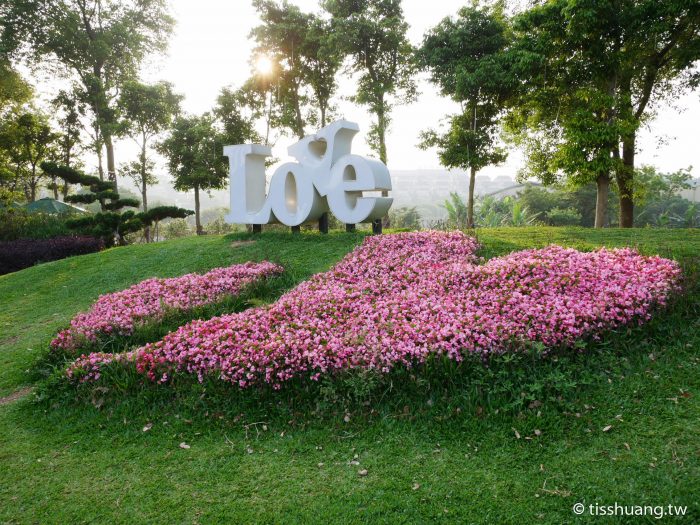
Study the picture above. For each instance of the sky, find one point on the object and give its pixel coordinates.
(210, 49)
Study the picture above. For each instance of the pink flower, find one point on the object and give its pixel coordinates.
(398, 299)
(120, 312)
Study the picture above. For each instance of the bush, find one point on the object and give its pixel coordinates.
(564, 217)
(408, 218)
(23, 253)
(219, 226)
(18, 224)
(174, 229)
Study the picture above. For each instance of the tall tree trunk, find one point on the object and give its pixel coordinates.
(625, 182)
(323, 115)
(111, 166)
(470, 203)
(601, 200)
(55, 189)
(381, 135)
(147, 229)
(299, 120)
(269, 120)
(144, 196)
(67, 161)
(100, 166)
(381, 132)
(33, 183)
(198, 223)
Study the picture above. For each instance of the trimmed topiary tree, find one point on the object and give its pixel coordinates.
(110, 224)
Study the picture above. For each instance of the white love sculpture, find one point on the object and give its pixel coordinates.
(326, 177)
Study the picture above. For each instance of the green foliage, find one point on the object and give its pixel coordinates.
(659, 202)
(14, 90)
(165, 212)
(16, 223)
(489, 212)
(590, 72)
(141, 173)
(457, 212)
(564, 217)
(373, 34)
(230, 111)
(194, 151)
(468, 59)
(405, 218)
(118, 204)
(26, 140)
(415, 433)
(147, 110)
(176, 229)
(69, 109)
(102, 43)
(305, 63)
(518, 213)
(109, 225)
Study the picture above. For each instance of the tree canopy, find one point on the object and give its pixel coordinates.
(468, 58)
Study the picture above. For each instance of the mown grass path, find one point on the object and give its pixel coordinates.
(435, 460)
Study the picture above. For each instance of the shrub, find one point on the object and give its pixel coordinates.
(220, 227)
(23, 253)
(564, 217)
(174, 229)
(408, 218)
(16, 223)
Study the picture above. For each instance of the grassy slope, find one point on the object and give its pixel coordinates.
(37, 302)
(67, 465)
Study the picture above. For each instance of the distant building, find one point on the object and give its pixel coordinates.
(692, 194)
(427, 190)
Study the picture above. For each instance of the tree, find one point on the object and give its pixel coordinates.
(303, 61)
(194, 151)
(405, 217)
(658, 199)
(147, 110)
(231, 113)
(320, 66)
(69, 110)
(111, 224)
(373, 34)
(100, 43)
(14, 91)
(596, 70)
(467, 57)
(27, 140)
(279, 39)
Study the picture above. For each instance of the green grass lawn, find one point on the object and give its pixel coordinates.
(433, 453)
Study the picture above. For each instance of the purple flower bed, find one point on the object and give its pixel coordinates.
(23, 253)
(120, 312)
(398, 299)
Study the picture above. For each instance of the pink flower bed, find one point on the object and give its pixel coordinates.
(120, 312)
(398, 299)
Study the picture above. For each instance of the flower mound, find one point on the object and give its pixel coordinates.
(120, 312)
(398, 299)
